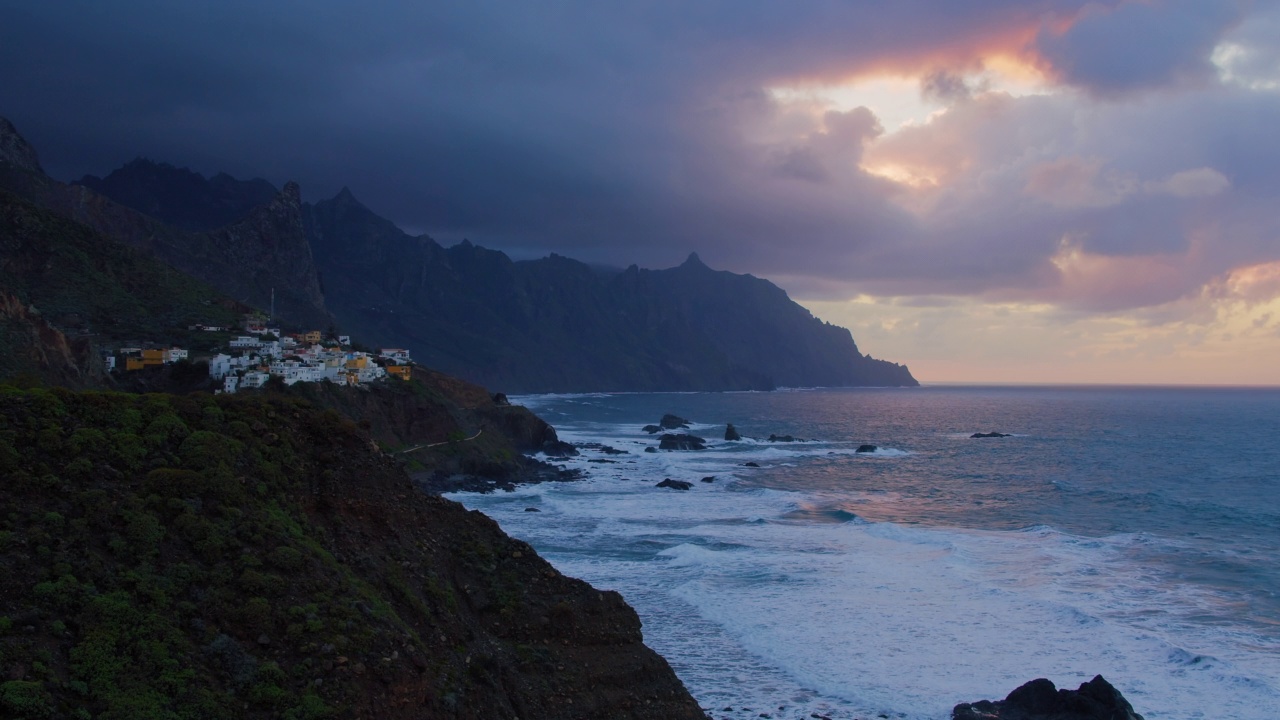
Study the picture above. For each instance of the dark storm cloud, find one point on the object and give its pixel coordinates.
(1140, 45)
(638, 132)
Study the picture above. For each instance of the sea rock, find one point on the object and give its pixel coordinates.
(675, 484)
(559, 448)
(731, 433)
(989, 435)
(709, 479)
(651, 429)
(500, 399)
(781, 438)
(651, 449)
(750, 464)
(673, 422)
(866, 448)
(1040, 700)
(532, 509)
(682, 442)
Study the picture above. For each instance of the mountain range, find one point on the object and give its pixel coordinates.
(547, 325)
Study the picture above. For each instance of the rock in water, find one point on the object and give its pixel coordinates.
(682, 442)
(1040, 700)
(731, 433)
(709, 479)
(751, 464)
(781, 438)
(866, 448)
(989, 435)
(675, 484)
(673, 422)
(651, 429)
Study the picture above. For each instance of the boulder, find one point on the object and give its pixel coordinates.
(532, 509)
(781, 438)
(651, 429)
(866, 448)
(681, 442)
(709, 479)
(675, 484)
(651, 449)
(750, 464)
(673, 422)
(989, 435)
(1040, 700)
(731, 433)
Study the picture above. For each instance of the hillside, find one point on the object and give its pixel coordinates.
(230, 557)
(67, 286)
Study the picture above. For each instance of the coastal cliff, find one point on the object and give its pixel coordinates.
(175, 556)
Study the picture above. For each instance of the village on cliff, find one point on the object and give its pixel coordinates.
(265, 352)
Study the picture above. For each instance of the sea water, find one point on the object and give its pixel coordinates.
(1128, 532)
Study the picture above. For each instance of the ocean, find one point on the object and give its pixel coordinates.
(1128, 532)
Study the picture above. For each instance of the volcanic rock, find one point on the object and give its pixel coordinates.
(866, 448)
(731, 433)
(675, 484)
(673, 422)
(682, 442)
(989, 435)
(1040, 700)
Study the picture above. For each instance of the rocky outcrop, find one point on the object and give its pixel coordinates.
(673, 422)
(989, 435)
(671, 441)
(781, 438)
(674, 484)
(15, 151)
(866, 448)
(731, 433)
(33, 348)
(1040, 700)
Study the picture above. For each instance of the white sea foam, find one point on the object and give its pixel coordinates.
(759, 605)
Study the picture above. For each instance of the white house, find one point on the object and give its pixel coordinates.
(230, 383)
(220, 367)
(344, 340)
(401, 356)
(174, 355)
(110, 361)
(246, 341)
(254, 379)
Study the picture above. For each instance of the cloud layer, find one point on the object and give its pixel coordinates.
(1096, 157)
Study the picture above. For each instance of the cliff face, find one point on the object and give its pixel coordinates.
(264, 250)
(170, 556)
(555, 324)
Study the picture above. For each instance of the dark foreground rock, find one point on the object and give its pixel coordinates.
(731, 433)
(1040, 700)
(675, 484)
(866, 448)
(682, 442)
(989, 435)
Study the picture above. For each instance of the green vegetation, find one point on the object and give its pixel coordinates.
(159, 561)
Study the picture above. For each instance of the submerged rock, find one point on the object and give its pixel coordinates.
(682, 442)
(866, 448)
(673, 422)
(675, 484)
(1040, 700)
(781, 438)
(731, 433)
(989, 435)
(750, 464)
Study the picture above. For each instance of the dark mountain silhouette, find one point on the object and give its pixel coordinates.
(181, 197)
(557, 324)
(246, 259)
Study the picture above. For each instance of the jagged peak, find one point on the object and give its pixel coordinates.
(15, 150)
(345, 196)
(291, 192)
(694, 262)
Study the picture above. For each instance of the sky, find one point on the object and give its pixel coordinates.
(988, 191)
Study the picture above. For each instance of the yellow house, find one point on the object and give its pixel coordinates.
(153, 357)
(133, 363)
(359, 363)
(312, 337)
(404, 372)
